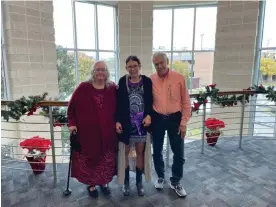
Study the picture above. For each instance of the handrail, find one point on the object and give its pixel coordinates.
(65, 103)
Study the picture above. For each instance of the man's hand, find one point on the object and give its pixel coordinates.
(182, 131)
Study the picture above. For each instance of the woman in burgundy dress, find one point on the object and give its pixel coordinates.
(91, 113)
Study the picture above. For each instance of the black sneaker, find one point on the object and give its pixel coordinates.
(180, 191)
(93, 193)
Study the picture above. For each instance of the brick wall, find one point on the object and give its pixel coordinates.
(31, 60)
(203, 67)
(30, 43)
(135, 33)
(235, 44)
(237, 23)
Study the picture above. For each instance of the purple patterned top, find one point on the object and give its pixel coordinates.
(136, 101)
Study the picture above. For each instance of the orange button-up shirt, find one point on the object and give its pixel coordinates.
(171, 95)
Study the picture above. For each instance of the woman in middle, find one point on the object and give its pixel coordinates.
(133, 119)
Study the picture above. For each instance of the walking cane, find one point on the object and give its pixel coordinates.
(68, 191)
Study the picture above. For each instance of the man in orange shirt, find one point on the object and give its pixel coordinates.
(172, 111)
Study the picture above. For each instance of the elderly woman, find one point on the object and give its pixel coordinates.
(133, 116)
(91, 114)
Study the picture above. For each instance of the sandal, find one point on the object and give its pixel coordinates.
(93, 193)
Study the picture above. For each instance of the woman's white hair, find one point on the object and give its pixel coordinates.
(92, 75)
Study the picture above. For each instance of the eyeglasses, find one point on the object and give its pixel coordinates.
(133, 67)
(100, 70)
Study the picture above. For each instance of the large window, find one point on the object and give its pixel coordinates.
(187, 35)
(267, 74)
(4, 79)
(265, 115)
(84, 32)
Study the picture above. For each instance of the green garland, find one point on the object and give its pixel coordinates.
(230, 100)
(22, 106)
(27, 106)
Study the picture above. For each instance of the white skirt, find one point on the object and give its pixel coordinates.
(132, 162)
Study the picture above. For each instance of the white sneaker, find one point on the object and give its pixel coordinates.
(159, 184)
(180, 191)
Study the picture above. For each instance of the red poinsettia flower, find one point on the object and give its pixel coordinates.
(212, 123)
(260, 86)
(212, 85)
(196, 106)
(32, 110)
(38, 143)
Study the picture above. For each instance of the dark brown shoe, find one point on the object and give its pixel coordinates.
(105, 189)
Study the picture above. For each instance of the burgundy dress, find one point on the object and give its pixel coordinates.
(92, 111)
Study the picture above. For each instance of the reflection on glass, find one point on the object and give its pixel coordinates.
(269, 35)
(109, 58)
(182, 64)
(66, 73)
(206, 21)
(63, 23)
(183, 29)
(162, 26)
(203, 69)
(85, 25)
(85, 62)
(106, 26)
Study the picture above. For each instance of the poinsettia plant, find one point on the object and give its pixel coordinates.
(36, 146)
(214, 126)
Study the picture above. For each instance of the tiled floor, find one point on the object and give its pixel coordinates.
(223, 176)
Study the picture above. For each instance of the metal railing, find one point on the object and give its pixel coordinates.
(254, 120)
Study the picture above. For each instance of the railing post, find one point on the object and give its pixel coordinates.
(53, 143)
(203, 128)
(242, 119)
(275, 125)
(167, 151)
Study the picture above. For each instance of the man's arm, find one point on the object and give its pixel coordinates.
(186, 103)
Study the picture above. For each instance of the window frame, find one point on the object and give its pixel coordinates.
(4, 68)
(97, 50)
(193, 50)
(257, 63)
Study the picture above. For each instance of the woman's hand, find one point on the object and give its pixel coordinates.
(119, 128)
(147, 121)
(72, 128)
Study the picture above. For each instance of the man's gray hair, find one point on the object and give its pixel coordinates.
(162, 55)
(92, 76)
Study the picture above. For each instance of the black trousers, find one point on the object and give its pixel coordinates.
(161, 123)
